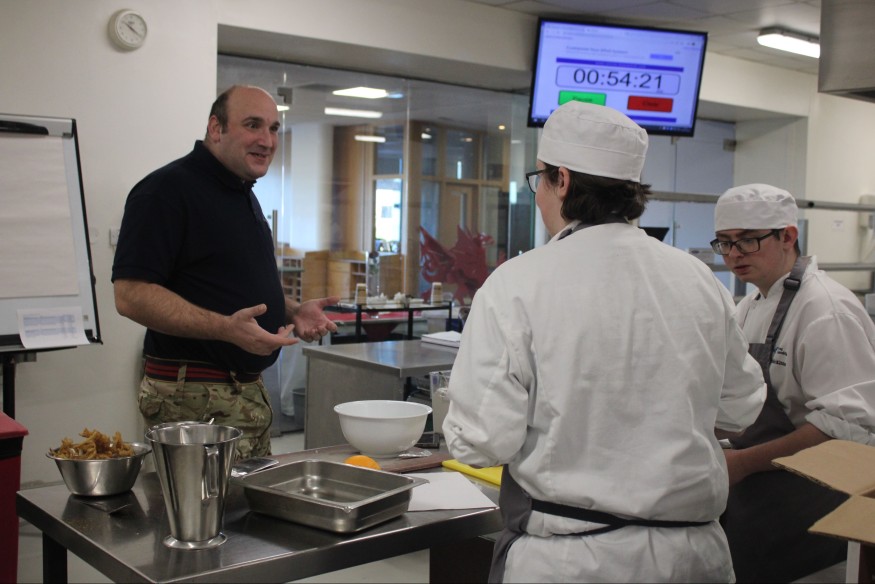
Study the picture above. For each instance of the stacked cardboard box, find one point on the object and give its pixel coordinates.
(848, 467)
(336, 273)
(314, 279)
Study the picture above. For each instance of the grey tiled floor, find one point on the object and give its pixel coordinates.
(407, 568)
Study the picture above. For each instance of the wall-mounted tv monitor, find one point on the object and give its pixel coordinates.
(651, 75)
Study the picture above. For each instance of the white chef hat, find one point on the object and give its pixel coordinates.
(593, 139)
(755, 206)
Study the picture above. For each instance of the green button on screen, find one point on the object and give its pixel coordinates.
(584, 96)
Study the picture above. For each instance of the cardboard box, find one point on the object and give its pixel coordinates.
(844, 466)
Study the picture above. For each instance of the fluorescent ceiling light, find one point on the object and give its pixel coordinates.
(364, 138)
(365, 92)
(353, 113)
(784, 40)
(282, 108)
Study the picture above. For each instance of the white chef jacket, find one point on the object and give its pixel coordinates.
(598, 366)
(823, 369)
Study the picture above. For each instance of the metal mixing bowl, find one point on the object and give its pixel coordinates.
(100, 478)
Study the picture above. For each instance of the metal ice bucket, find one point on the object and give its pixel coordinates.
(194, 460)
(440, 398)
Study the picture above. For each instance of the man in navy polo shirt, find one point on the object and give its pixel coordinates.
(195, 265)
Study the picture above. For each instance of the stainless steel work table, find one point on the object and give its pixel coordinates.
(126, 546)
(342, 373)
(360, 309)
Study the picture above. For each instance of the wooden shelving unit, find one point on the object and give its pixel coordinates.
(336, 273)
(343, 275)
(291, 274)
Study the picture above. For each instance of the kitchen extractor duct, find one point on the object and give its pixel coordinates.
(847, 49)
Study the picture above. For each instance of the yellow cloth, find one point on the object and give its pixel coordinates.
(490, 474)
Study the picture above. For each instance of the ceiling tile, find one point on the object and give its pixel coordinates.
(598, 6)
(538, 8)
(661, 12)
(731, 24)
(799, 17)
(719, 7)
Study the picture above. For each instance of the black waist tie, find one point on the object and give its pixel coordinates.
(517, 506)
(612, 522)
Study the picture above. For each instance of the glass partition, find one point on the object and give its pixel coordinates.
(428, 175)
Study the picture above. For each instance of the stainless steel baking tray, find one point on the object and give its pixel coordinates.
(329, 495)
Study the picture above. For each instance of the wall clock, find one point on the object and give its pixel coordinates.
(127, 29)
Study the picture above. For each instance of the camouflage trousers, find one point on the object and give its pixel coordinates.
(242, 405)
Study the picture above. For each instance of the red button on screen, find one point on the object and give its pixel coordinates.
(650, 104)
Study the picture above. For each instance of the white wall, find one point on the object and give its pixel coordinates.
(135, 111)
(839, 168)
(139, 110)
(446, 29)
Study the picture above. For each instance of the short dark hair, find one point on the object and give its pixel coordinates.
(220, 107)
(591, 199)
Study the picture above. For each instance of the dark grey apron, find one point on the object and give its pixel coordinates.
(773, 421)
(768, 514)
(517, 506)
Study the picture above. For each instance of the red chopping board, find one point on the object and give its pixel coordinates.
(341, 452)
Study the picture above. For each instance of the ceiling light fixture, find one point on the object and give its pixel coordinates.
(282, 108)
(364, 92)
(793, 42)
(366, 138)
(353, 113)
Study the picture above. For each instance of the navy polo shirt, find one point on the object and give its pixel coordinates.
(197, 229)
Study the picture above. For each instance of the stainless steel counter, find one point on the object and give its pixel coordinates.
(126, 545)
(342, 373)
(398, 358)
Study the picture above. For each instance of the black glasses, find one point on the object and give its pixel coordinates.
(746, 245)
(534, 178)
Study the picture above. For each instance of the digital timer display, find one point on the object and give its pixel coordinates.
(651, 82)
(651, 75)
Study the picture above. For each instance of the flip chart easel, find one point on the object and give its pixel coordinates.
(47, 296)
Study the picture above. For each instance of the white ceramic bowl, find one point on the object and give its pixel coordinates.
(382, 428)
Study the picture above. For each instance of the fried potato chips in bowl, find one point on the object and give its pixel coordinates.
(99, 466)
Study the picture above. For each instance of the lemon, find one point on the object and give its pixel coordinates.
(362, 460)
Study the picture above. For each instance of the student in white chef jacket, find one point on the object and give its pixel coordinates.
(596, 368)
(816, 346)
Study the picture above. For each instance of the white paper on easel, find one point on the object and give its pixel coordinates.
(37, 257)
(51, 327)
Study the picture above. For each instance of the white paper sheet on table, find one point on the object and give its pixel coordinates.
(446, 490)
(445, 338)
